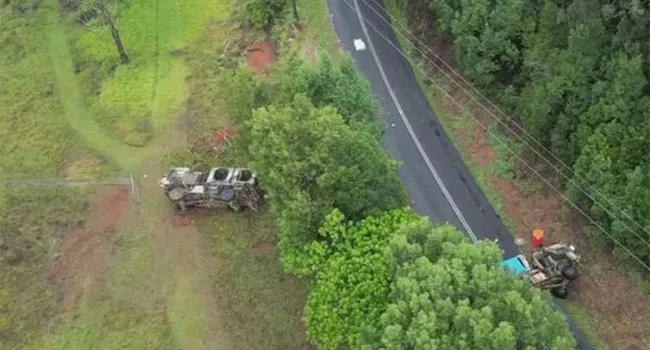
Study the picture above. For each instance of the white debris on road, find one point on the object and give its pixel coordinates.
(359, 45)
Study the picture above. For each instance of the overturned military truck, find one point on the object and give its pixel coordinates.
(220, 187)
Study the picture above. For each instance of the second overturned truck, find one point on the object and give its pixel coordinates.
(219, 187)
(550, 268)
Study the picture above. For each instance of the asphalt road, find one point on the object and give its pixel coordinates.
(441, 187)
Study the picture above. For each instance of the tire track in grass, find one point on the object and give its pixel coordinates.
(168, 85)
(196, 322)
(71, 99)
(156, 63)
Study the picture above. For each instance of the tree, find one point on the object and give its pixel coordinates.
(619, 109)
(575, 74)
(487, 36)
(562, 91)
(333, 81)
(349, 271)
(296, 18)
(395, 281)
(635, 202)
(311, 161)
(264, 14)
(107, 12)
(447, 293)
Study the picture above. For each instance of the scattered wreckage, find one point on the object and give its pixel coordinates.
(220, 187)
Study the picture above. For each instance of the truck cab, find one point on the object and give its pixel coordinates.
(517, 264)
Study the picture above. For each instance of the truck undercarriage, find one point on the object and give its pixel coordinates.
(219, 187)
(550, 268)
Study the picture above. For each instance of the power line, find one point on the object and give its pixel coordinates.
(134, 188)
(518, 126)
(53, 182)
(505, 144)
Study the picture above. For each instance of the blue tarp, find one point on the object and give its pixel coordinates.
(515, 265)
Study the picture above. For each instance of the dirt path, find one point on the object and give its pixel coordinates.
(71, 99)
(181, 259)
(196, 321)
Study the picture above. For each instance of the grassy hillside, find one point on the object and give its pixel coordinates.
(85, 268)
(37, 142)
(130, 101)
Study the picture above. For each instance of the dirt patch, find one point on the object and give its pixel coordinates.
(181, 221)
(605, 292)
(260, 56)
(223, 138)
(82, 259)
(426, 33)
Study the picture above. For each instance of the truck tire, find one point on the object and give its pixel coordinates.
(181, 208)
(569, 272)
(560, 292)
(176, 194)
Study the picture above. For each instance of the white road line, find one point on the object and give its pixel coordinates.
(433, 171)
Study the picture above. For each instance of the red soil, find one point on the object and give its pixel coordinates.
(260, 56)
(84, 251)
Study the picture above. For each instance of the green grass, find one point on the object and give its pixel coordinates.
(35, 139)
(505, 157)
(127, 311)
(260, 302)
(47, 124)
(316, 15)
(30, 306)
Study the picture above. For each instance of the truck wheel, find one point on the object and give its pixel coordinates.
(560, 292)
(569, 272)
(181, 208)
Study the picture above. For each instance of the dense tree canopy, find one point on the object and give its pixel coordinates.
(486, 35)
(349, 287)
(311, 161)
(395, 281)
(332, 81)
(447, 293)
(578, 71)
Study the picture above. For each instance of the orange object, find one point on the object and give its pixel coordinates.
(538, 237)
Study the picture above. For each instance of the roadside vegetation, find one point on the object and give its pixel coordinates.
(312, 132)
(563, 72)
(336, 260)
